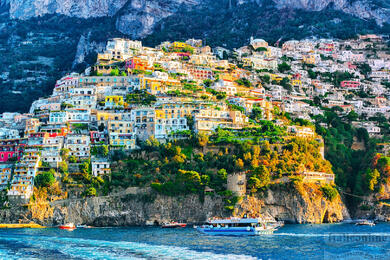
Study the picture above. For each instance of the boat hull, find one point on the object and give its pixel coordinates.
(175, 226)
(67, 228)
(235, 231)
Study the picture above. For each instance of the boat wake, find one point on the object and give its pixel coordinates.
(78, 248)
(333, 234)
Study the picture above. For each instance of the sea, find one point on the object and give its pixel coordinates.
(326, 241)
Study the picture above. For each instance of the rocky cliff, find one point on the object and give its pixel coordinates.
(365, 9)
(138, 17)
(138, 207)
(24, 9)
(133, 17)
(306, 204)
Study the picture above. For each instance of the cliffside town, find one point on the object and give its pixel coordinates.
(183, 119)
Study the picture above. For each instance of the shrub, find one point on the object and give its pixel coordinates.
(45, 179)
(329, 192)
(90, 192)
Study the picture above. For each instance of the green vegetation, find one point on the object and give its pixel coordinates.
(336, 77)
(350, 166)
(100, 150)
(49, 54)
(284, 67)
(261, 49)
(216, 22)
(329, 192)
(140, 97)
(45, 179)
(188, 166)
(244, 82)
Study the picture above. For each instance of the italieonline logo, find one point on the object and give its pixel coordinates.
(356, 246)
(355, 238)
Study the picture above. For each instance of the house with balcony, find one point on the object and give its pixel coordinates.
(207, 120)
(100, 167)
(78, 145)
(22, 183)
(5, 175)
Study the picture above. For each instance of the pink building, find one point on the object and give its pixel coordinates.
(350, 84)
(98, 137)
(11, 148)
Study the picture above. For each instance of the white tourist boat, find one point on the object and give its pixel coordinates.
(236, 227)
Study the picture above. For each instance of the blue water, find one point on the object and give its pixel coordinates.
(336, 241)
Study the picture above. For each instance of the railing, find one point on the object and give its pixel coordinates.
(318, 176)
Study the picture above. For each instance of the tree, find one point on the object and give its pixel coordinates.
(203, 139)
(90, 192)
(312, 74)
(45, 179)
(285, 83)
(329, 192)
(263, 175)
(222, 174)
(63, 166)
(207, 83)
(240, 163)
(256, 114)
(352, 116)
(114, 72)
(266, 78)
(73, 159)
(64, 153)
(317, 101)
(372, 178)
(365, 69)
(261, 49)
(283, 67)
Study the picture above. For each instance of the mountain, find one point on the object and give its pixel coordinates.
(364, 9)
(43, 39)
(137, 17)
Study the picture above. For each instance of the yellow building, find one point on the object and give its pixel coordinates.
(126, 141)
(275, 77)
(104, 117)
(113, 101)
(158, 85)
(179, 45)
(120, 127)
(296, 82)
(309, 59)
(247, 62)
(32, 125)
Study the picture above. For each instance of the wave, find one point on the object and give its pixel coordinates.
(100, 249)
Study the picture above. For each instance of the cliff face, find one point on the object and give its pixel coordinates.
(365, 9)
(374, 206)
(137, 210)
(306, 204)
(138, 17)
(137, 207)
(24, 9)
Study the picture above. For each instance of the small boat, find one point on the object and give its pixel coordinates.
(83, 226)
(69, 226)
(365, 223)
(275, 224)
(174, 225)
(237, 227)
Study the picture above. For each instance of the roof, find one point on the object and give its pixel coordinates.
(235, 220)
